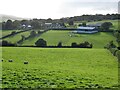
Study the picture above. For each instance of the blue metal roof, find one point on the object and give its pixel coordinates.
(86, 28)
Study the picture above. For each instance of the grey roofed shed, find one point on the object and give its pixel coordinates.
(94, 25)
(86, 28)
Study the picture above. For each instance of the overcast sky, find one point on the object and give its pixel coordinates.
(57, 8)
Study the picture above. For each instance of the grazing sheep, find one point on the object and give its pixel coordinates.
(25, 62)
(10, 60)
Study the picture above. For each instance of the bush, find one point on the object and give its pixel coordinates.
(74, 44)
(59, 44)
(13, 32)
(23, 37)
(118, 55)
(33, 34)
(6, 43)
(41, 43)
(110, 45)
(39, 32)
(85, 45)
(106, 25)
(82, 45)
(113, 51)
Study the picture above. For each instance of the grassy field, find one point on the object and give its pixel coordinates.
(99, 40)
(116, 23)
(59, 68)
(6, 32)
(17, 37)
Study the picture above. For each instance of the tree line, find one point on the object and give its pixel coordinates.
(39, 23)
(43, 43)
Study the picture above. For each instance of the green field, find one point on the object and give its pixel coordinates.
(17, 37)
(59, 68)
(99, 40)
(6, 32)
(116, 23)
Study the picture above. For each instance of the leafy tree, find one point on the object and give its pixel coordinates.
(3, 25)
(9, 25)
(70, 22)
(106, 25)
(6, 43)
(84, 24)
(41, 43)
(22, 37)
(59, 44)
(39, 32)
(13, 32)
(79, 24)
(112, 45)
(74, 44)
(35, 24)
(85, 45)
(33, 34)
(117, 35)
(16, 24)
(25, 22)
(49, 20)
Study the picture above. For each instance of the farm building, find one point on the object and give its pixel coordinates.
(97, 25)
(26, 26)
(88, 30)
(53, 25)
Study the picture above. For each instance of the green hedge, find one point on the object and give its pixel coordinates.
(118, 55)
(113, 51)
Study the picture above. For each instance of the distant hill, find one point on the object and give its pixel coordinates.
(6, 17)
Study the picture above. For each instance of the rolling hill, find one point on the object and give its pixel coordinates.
(6, 17)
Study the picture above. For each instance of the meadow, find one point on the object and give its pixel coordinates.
(6, 32)
(116, 23)
(17, 37)
(58, 68)
(99, 40)
(52, 37)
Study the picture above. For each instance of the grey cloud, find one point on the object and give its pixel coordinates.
(71, 7)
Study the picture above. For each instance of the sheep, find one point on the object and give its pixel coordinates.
(25, 62)
(10, 60)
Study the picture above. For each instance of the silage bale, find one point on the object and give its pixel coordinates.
(25, 62)
(10, 60)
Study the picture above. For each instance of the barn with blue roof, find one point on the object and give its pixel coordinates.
(88, 30)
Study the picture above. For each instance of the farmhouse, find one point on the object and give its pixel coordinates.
(88, 30)
(53, 25)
